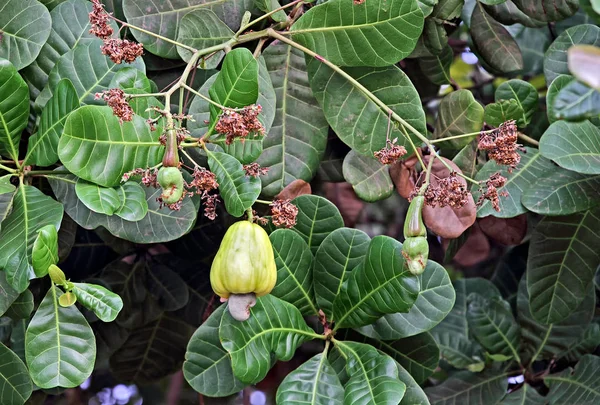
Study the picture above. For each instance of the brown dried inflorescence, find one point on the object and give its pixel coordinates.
(203, 181)
(239, 124)
(115, 99)
(254, 170)
(502, 145)
(121, 50)
(449, 192)
(148, 176)
(210, 205)
(283, 213)
(391, 153)
(99, 21)
(491, 193)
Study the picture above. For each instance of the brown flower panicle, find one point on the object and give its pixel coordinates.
(239, 124)
(99, 21)
(491, 193)
(449, 192)
(258, 219)
(502, 145)
(283, 213)
(210, 205)
(115, 99)
(254, 170)
(391, 153)
(148, 176)
(121, 50)
(204, 181)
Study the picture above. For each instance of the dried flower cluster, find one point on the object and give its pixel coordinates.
(148, 176)
(283, 213)
(121, 50)
(254, 170)
(502, 145)
(115, 99)
(239, 124)
(449, 192)
(491, 193)
(258, 219)
(204, 181)
(391, 153)
(99, 21)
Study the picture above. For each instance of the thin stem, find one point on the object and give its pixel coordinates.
(528, 139)
(189, 157)
(8, 169)
(264, 202)
(412, 144)
(203, 97)
(449, 138)
(155, 35)
(145, 95)
(44, 172)
(250, 214)
(427, 176)
(269, 14)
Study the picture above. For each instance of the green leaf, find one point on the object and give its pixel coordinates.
(95, 130)
(459, 113)
(447, 9)
(294, 270)
(492, 323)
(524, 93)
(502, 111)
(573, 145)
(130, 79)
(587, 344)
(14, 378)
(414, 394)
(89, 71)
(369, 178)
(59, 344)
(507, 13)
(561, 264)
(582, 383)
(436, 299)
(356, 119)
(554, 89)
(468, 388)
(533, 43)
(32, 210)
(495, 44)
(314, 382)
(8, 295)
(577, 101)
(526, 395)
(14, 108)
(298, 137)
(170, 291)
(275, 327)
(562, 192)
(548, 10)
(103, 200)
(270, 5)
(530, 169)
(134, 206)
(316, 218)
(382, 274)
(437, 67)
(434, 36)
(207, 366)
(201, 28)
(159, 225)
(45, 250)
(104, 303)
(165, 19)
(21, 308)
(25, 27)
(338, 28)
(341, 251)
(239, 191)
(555, 60)
(42, 147)
(373, 376)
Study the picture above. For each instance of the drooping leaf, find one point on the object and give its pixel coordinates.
(437, 67)
(414, 394)
(134, 206)
(468, 388)
(296, 142)
(560, 82)
(382, 274)
(573, 145)
(275, 327)
(369, 178)
(95, 130)
(523, 92)
(548, 10)
(21, 308)
(201, 28)
(502, 111)
(104, 303)
(341, 251)
(294, 270)
(581, 384)
(8, 295)
(508, 13)
(577, 101)
(338, 28)
(59, 344)
(45, 250)
(314, 382)
(14, 108)
(355, 118)
(103, 200)
(316, 218)
(14, 378)
(459, 113)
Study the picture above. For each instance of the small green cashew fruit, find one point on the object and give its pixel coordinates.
(244, 268)
(415, 251)
(171, 181)
(413, 225)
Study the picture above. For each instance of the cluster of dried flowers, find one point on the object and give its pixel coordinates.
(115, 99)
(283, 213)
(501, 145)
(203, 183)
(491, 193)
(239, 124)
(449, 192)
(391, 153)
(255, 170)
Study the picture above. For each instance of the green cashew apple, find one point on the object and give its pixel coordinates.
(415, 251)
(413, 225)
(171, 181)
(244, 268)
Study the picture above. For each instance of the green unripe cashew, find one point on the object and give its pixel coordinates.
(413, 225)
(415, 251)
(171, 181)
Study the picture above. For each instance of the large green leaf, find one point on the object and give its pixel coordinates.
(89, 71)
(586, 344)
(170, 291)
(25, 27)
(580, 385)
(502, 111)
(294, 270)
(356, 119)
(8, 295)
(59, 344)
(316, 218)
(103, 200)
(275, 327)
(573, 145)
(437, 67)
(522, 91)
(201, 28)
(207, 366)
(14, 109)
(297, 139)
(383, 274)
(577, 101)
(45, 250)
(21, 308)
(548, 10)
(555, 60)
(459, 113)
(414, 394)
(495, 44)
(14, 378)
(238, 191)
(314, 382)
(526, 395)
(341, 251)
(507, 13)
(104, 303)
(98, 148)
(32, 210)
(369, 178)
(42, 147)
(134, 206)
(385, 33)
(531, 167)
(159, 225)
(561, 264)
(468, 388)
(165, 19)
(560, 82)
(436, 299)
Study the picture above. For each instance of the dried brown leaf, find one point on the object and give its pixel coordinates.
(476, 249)
(506, 231)
(296, 188)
